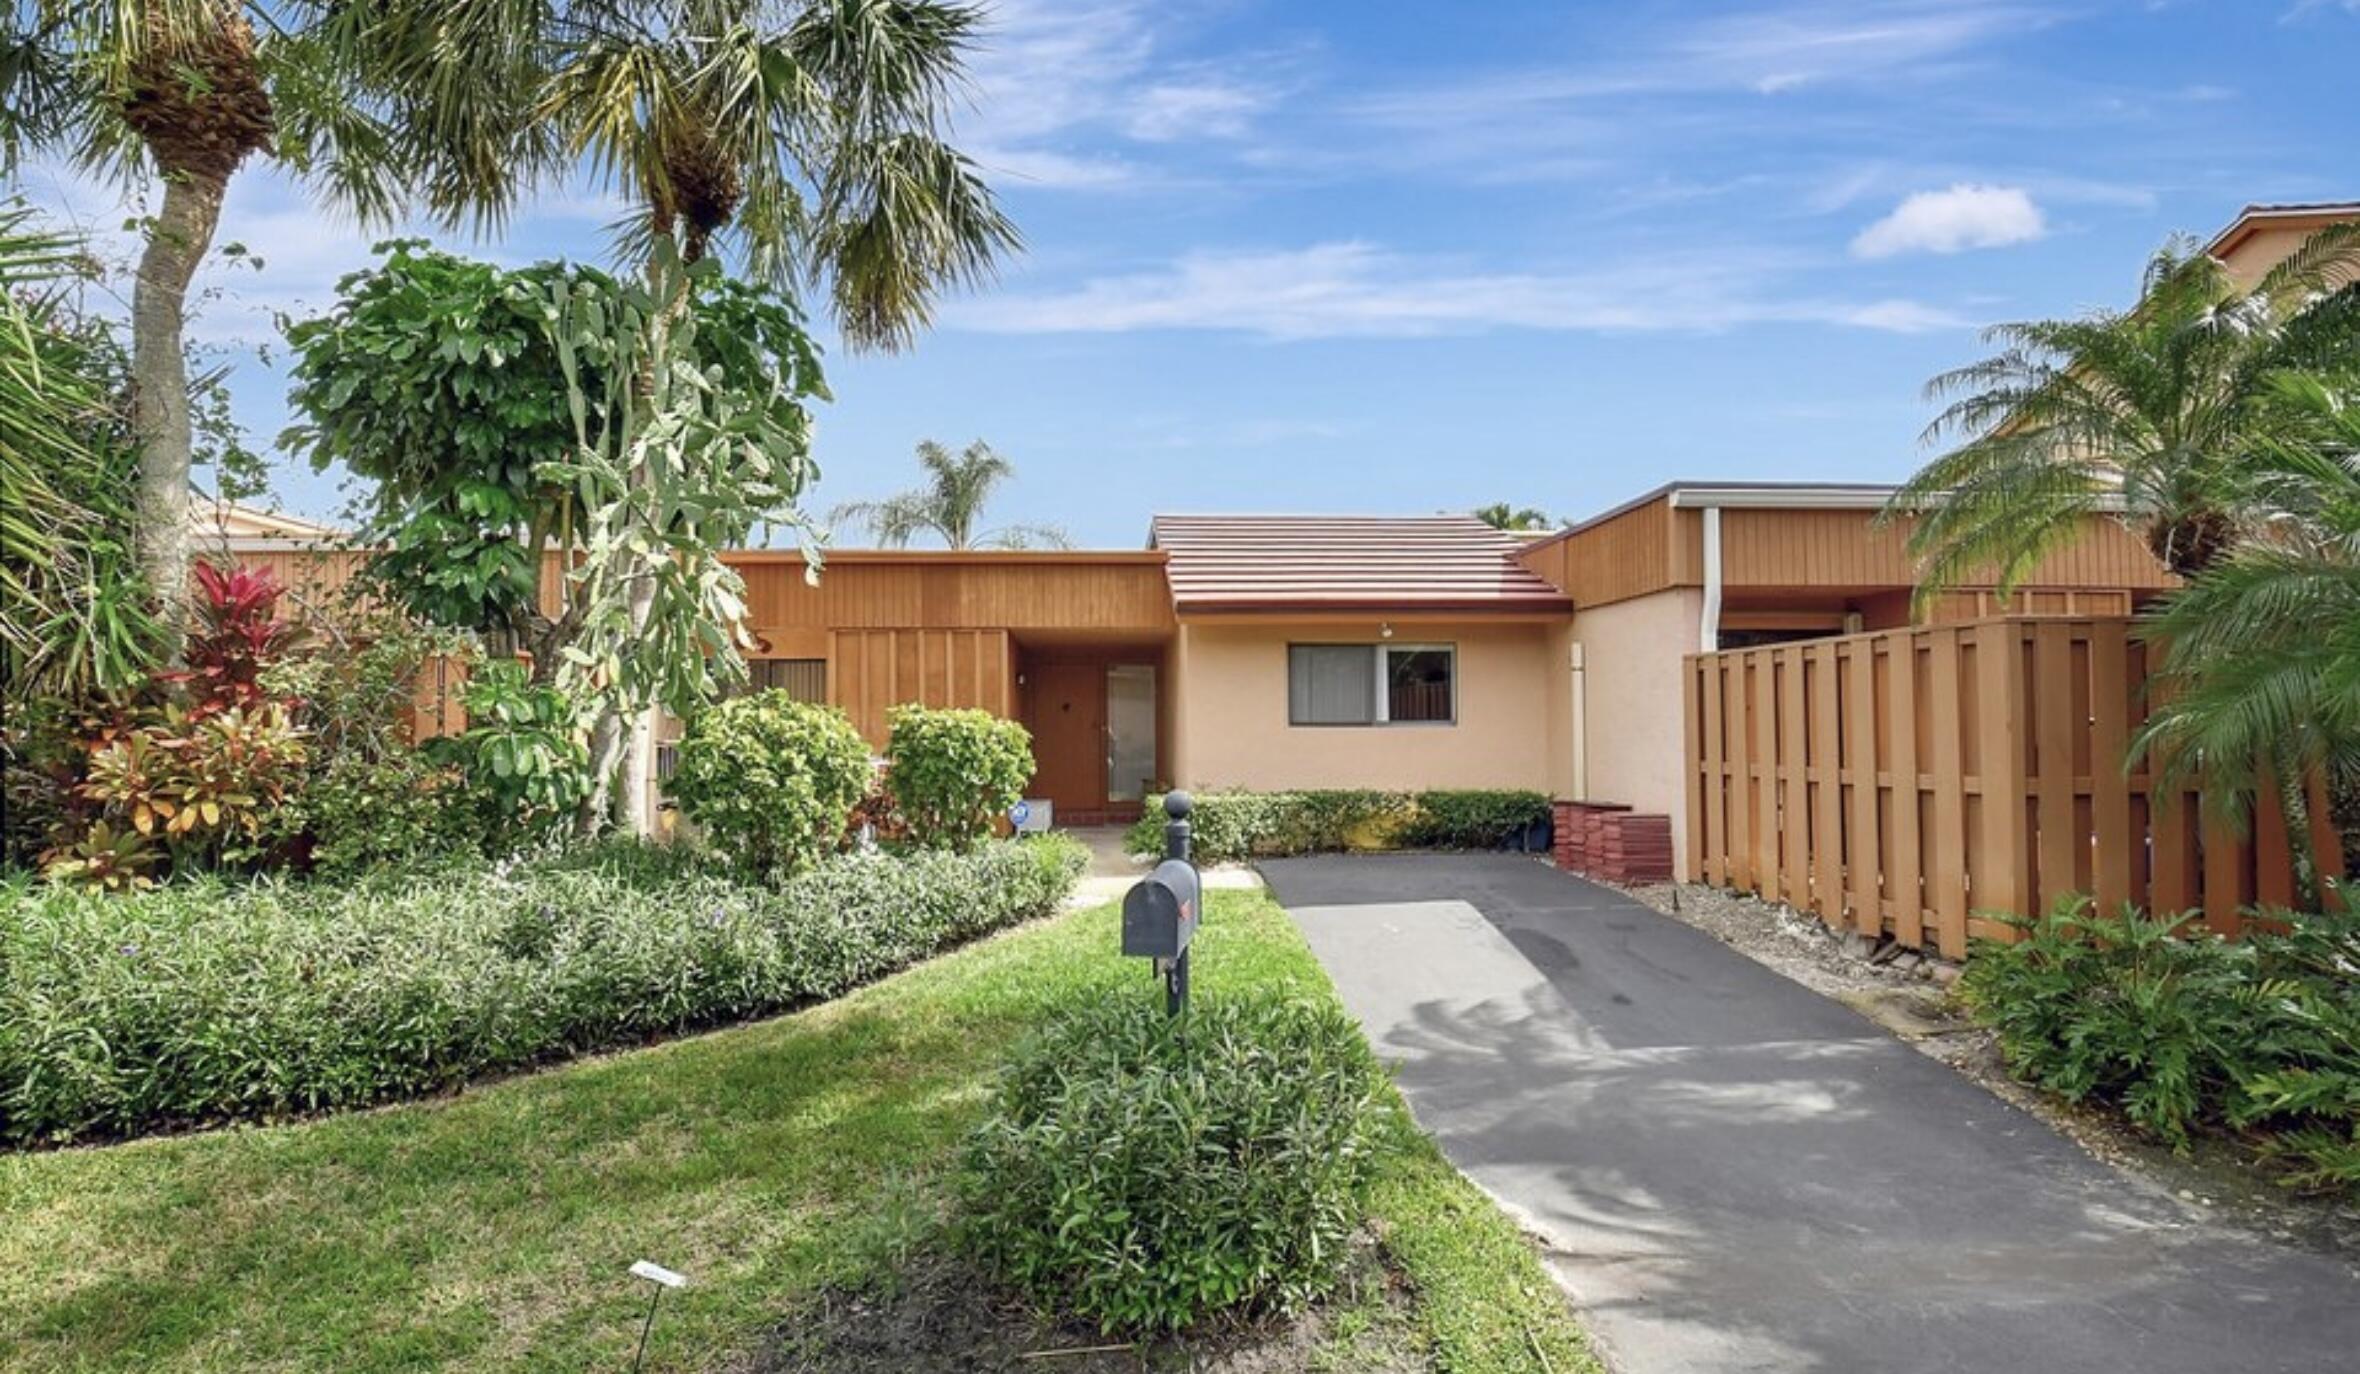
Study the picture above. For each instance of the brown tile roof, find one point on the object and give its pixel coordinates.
(1346, 562)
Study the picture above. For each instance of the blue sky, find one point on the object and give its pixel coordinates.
(1411, 257)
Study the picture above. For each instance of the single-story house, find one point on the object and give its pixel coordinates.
(1294, 651)
(1287, 651)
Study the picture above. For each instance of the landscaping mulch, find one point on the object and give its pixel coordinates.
(940, 1316)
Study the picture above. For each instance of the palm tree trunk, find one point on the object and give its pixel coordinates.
(176, 243)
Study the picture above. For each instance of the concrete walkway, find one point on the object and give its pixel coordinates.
(1111, 871)
(1734, 1173)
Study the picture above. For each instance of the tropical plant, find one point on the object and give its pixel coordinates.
(521, 755)
(74, 617)
(203, 785)
(2260, 654)
(949, 505)
(1145, 1172)
(808, 134)
(2151, 413)
(538, 475)
(238, 634)
(1500, 515)
(954, 772)
(2182, 1029)
(771, 780)
(180, 93)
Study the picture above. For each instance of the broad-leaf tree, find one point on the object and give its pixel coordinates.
(521, 445)
(175, 96)
(2150, 412)
(949, 506)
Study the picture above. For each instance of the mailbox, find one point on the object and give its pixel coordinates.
(1160, 911)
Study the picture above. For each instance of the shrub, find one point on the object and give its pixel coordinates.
(2180, 1029)
(770, 780)
(1473, 819)
(526, 767)
(1228, 827)
(1145, 1172)
(203, 1001)
(237, 638)
(955, 772)
(361, 813)
(203, 786)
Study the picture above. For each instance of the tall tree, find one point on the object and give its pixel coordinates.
(950, 504)
(177, 95)
(2150, 412)
(809, 135)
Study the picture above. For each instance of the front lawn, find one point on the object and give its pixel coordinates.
(492, 1230)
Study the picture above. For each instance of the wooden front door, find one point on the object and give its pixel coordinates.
(1068, 713)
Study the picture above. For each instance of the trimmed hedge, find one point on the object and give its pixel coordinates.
(1145, 1172)
(206, 1002)
(1228, 827)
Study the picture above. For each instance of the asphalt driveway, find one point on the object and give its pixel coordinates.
(1732, 1172)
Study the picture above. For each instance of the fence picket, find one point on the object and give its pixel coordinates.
(1906, 779)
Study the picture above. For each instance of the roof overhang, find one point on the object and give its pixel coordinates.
(2253, 219)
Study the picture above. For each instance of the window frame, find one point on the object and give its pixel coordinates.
(1380, 652)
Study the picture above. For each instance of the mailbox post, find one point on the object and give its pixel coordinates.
(1160, 911)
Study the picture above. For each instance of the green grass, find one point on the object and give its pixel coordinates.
(492, 1230)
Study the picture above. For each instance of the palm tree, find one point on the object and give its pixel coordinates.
(2149, 413)
(1502, 516)
(950, 504)
(2261, 651)
(178, 94)
(813, 138)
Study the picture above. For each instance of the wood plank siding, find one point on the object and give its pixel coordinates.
(872, 671)
(1655, 545)
(1120, 593)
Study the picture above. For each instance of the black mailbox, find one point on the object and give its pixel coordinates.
(1160, 911)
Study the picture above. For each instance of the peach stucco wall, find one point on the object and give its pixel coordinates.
(1636, 749)
(1230, 711)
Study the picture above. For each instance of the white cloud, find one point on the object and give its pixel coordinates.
(1062, 85)
(1962, 217)
(1358, 290)
(1194, 109)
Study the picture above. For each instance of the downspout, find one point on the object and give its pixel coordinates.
(1708, 627)
(1581, 729)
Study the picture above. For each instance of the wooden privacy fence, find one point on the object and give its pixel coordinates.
(1908, 781)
